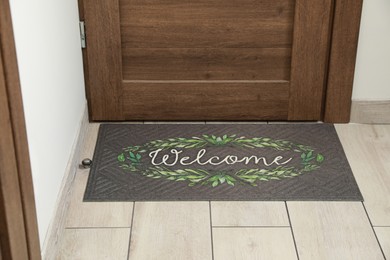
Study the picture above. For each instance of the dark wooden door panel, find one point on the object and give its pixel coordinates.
(309, 59)
(342, 60)
(206, 39)
(206, 63)
(207, 101)
(207, 59)
(206, 23)
(104, 59)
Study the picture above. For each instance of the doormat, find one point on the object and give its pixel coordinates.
(220, 162)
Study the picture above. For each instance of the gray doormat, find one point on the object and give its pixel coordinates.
(220, 162)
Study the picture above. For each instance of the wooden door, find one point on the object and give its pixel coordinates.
(18, 222)
(207, 59)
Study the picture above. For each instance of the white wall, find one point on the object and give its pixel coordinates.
(372, 74)
(51, 74)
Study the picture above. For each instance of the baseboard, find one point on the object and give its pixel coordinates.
(370, 112)
(57, 224)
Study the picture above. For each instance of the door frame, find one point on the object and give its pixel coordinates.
(19, 237)
(339, 70)
(342, 59)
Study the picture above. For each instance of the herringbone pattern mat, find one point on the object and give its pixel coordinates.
(109, 182)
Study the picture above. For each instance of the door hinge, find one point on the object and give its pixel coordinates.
(82, 34)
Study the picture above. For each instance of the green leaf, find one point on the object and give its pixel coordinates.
(138, 156)
(121, 157)
(198, 171)
(309, 154)
(131, 155)
(193, 141)
(214, 178)
(193, 177)
(303, 156)
(215, 183)
(224, 137)
(320, 158)
(229, 178)
(133, 160)
(229, 182)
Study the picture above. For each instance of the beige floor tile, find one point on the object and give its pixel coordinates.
(249, 213)
(90, 141)
(368, 151)
(383, 234)
(333, 230)
(96, 214)
(171, 230)
(95, 244)
(253, 243)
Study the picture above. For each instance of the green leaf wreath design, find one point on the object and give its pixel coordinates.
(130, 159)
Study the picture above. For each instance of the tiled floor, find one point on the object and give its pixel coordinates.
(242, 230)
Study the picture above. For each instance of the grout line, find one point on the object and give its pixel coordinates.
(292, 231)
(251, 226)
(373, 230)
(131, 231)
(211, 231)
